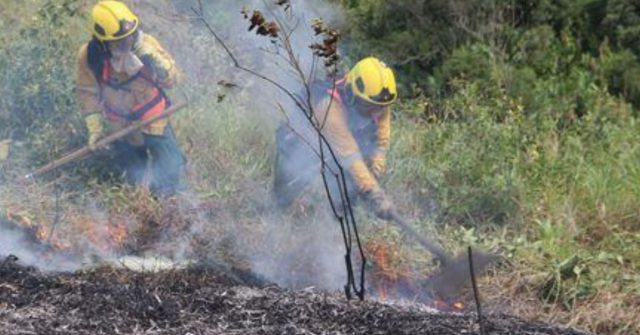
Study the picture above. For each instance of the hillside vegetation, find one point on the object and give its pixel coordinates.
(522, 117)
(517, 130)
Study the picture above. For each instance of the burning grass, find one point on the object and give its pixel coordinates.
(229, 145)
(210, 300)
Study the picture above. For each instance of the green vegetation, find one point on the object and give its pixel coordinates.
(517, 131)
(522, 123)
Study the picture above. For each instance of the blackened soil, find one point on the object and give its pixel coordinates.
(208, 300)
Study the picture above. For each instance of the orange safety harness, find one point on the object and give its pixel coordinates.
(142, 111)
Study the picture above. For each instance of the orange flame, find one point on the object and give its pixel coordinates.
(381, 259)
(392, 279)
(388, 270)
(66, 235)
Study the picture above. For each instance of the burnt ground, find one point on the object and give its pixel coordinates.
(209, 300)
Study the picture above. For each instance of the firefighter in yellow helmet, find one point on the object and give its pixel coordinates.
(355, 117)
(121, 77)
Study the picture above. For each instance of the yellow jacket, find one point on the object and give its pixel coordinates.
(360, 140)
(94, 96)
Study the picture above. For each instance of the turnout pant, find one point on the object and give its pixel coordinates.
(297, 166)
(158, 162)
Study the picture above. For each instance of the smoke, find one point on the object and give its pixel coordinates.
(298, 248)
(279, 247)
(17, 242)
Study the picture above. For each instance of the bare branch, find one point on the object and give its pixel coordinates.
(327, 50)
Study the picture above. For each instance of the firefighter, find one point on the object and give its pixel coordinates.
(354, 116)
(122, 76)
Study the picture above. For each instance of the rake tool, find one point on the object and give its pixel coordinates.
(455, 272)
(86, 150)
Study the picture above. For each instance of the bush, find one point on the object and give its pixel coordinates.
(622, 71)
(38, 74)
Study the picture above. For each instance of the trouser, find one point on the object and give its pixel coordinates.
(158, 162)
(297, 166)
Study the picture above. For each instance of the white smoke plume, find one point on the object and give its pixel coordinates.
(293, 254)
(276, 246)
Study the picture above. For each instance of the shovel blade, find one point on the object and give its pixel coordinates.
(455, 275)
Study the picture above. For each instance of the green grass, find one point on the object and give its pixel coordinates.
(556, 195)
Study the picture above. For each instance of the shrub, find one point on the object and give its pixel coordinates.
(38, 74)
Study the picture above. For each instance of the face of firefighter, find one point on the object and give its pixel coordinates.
(366, 108)
(123, 59)
(123, 45)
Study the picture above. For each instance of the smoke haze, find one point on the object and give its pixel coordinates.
(280, 247)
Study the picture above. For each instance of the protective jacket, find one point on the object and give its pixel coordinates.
(357, 137)
(122, 98)
(151, 156)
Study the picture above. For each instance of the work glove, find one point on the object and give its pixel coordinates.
(378, 166)
(382, 205)
(150, 56)
(126, 62)
(123, 57)
(140, 48)
(95, 128)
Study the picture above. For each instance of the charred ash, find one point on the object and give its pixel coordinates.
(205, 299)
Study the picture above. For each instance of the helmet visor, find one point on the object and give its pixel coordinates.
(385, 97)
(126, 28)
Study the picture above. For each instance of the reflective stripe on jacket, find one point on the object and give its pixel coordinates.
(124, 97)
(156, 103)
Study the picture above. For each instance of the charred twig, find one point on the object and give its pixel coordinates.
(226, 84)
(56, 217)
(285, 3)
(237, 64)
(476, 295)
(326, 51)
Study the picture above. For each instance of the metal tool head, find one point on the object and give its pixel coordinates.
(455, 275)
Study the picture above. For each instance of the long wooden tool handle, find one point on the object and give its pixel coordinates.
(429, 244)
(85, 151)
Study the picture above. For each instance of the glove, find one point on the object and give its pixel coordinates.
(378, 166)
(382, 205)
(95, 128)
(127, 63)
(140, 48)
(148, 53)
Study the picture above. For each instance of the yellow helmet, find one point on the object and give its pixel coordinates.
(372, 81)
(112, 20)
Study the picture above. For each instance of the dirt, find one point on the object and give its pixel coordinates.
(212, 300)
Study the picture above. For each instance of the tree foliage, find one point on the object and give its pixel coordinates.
(37, 77)
(549, 37)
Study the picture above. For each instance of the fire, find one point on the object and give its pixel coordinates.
(381, 259)
(386, 273)
(118, 233)
(71, 231)
(104, 235)
(392, 279)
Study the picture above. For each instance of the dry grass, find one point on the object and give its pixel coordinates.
(226, 215)
(516, 290)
